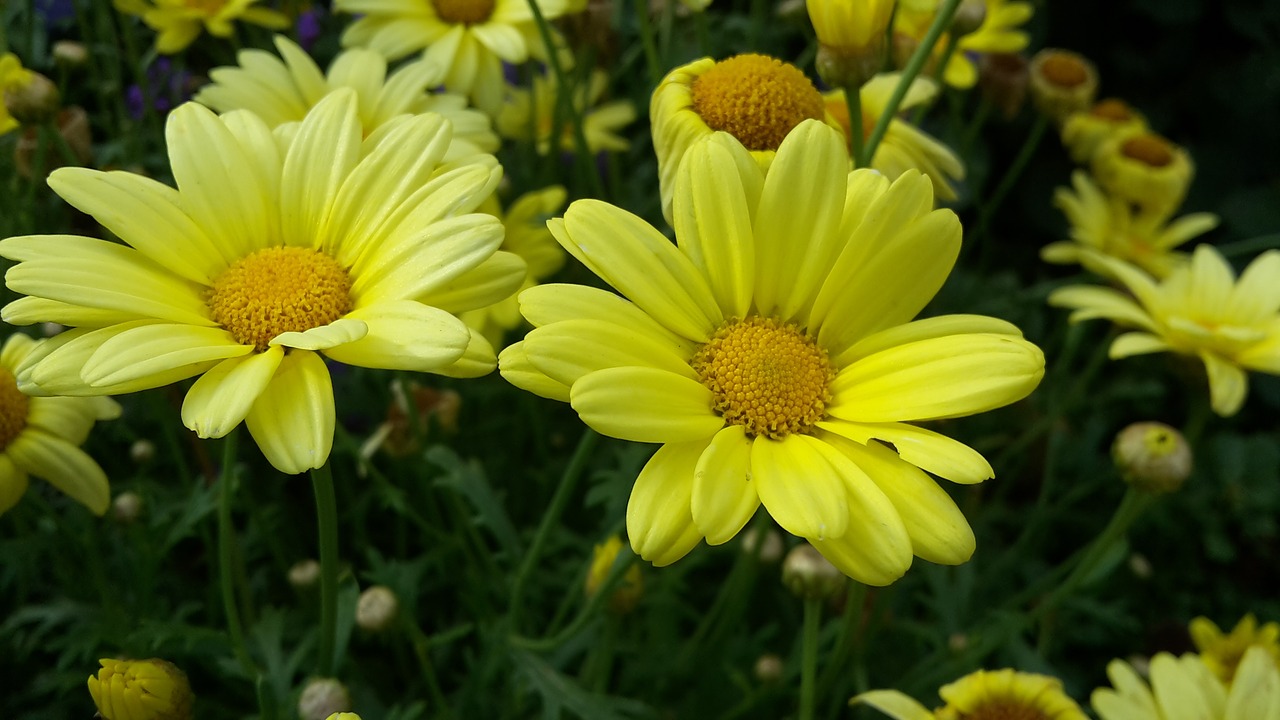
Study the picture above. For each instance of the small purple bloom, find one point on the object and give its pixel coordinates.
(165, 88)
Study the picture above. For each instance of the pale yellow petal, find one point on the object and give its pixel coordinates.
(659, 521)
(1092, 302)
(13, 484)
(1255, 689)
(31, 310)
(517, 370)
(546, 304)
(293, 418)
(324, 150)
(420, 265)
(645, 405)
(724, 493)
(926, 449)
(490, 282)
(342, 331)
(221, 398)
(62, 465)
(477, 360)
(934, 327)
(1174, 691)
(55, 367)
(566, 351)
(894, 704)
(1136, 343)
(404, 335)
(799, 479)
(1228, 384)
(151, 351)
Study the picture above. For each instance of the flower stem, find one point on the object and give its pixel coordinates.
(226, 552)
(621, 565)
(809, 656)
(853, 101)
(648, 43)
(327, 520)
(918, 59)
(1011, 175)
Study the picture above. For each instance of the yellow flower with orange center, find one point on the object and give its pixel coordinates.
(1184, 687)
(530, 115)
(180, 22)
(1084, 131)
(1062, 83)
(1145, 169)
(984, 695)
(1000, 32)
(1222, 653)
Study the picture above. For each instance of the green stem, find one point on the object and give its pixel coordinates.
(939, 70)
(918, 59)
(226, 553)
(809, 656)
(327, 520)
(975, 126)
(421, 647)
(1011, 176)
(648, 43)
(550, 519)
(853, 101)
(589, 611)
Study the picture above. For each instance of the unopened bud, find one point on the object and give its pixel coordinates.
(957, 642)
(809, 575)
(33, 102)
(142, 451)
(49, 329)
(770, 552)
(1152, 456)
(126, 508)
(69, 53)
(1140, 565)
(321, 698)
(304, 574)
(151, 689)
(969, 17)
(768, 668)
(377, 609)
(839, 68)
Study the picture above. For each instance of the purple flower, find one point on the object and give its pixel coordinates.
(165, 89)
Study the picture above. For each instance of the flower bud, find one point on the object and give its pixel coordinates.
(376, 609)
(968, 17)
(151, 689)
(304, 574)
(809, 575)
(323, 697)
(126, 508)
(343, 716)
(69, 53)
(768, 668)
(142, 451)
(33, 102)
(1152, 456)
(770, 552)
(1062, 82)
(626, 594)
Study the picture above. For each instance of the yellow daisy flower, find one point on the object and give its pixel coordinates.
(1101, 224)
(769, 348)
(1144, 169)
(151, 689)
(12, 76)
(628, 590)
(527, 238)
(267, 254)
(282, 91)
(1000, 32)
(179, 22)
(1083, 132)
(529, 115)
(904, 146)
(1185, 688)
(755, 98)
(1223, 653)
(41, 436)
(1199, 310)
(984, 695)
(469, 38)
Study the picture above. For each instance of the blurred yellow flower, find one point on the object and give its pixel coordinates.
(179, 22)
(151, 689)
(800, 283)
(529, 115)
(628, 590)
(264, 257)
(41, 436)
(283, 91)
(983, 695)
(850, 26)
(904, 146)
(12, 75)
(1223, 653)
(1185, 688)
(1199, 309)
(469, 39)
(1145, 169)
(1061, 82)
(1084, 131)
(1000, 32)
(1102, 224)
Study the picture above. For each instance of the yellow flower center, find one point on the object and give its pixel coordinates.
(755, 98)
(463, 12)
(1148, 149)
(1064, 71)
(1003, 709)
(1113, 110)
(277, 290)
(766, 375)
(13, 408)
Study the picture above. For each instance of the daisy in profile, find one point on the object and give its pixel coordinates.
(1200, 309)
(180, 22)
(529, 115)
(904, 146)
(1105, 225)
(282, 91)
(1145, 169)
(1000, 32)
(266, 256)
(1184, 687)
(41, 436)
(771, 348)
(469, 39)
(984, 695)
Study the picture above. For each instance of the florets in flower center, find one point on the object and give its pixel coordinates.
(755, 98)
(1113, 110)
(1064, 71)
(766, 375)
(1148, 149)
(277, 290)
(1004, 710)
(13, 409)
(463, 12)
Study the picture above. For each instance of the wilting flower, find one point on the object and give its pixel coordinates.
(41, 436)
(1222, 653)
(770, 348)
(984, 694)
(1200, 309)
(283, 91)
(1185, 688)
(1145, 169)
(1105, 225)
(266, 255)
(469, 39)
(179, 22)
(151, 689)
(1083, 132)
(1000, 32)
(530, 115)
(904, 146)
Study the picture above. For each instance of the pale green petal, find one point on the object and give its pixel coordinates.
(342, 331)
(404, 335)
(13, 484)
(546, 304)
(1136, 343)
(64, 466)
(645, 405)
(659, 522)
(1228, 384)
(221, 398)
(942, 377)
(640, 263)
(724, 494)
(799, 479)
(568, 350)
(926, 449)
(934, 327)
(150, 351)
(324, 150)
(293, 419)
(894, 704)
(517, 370)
